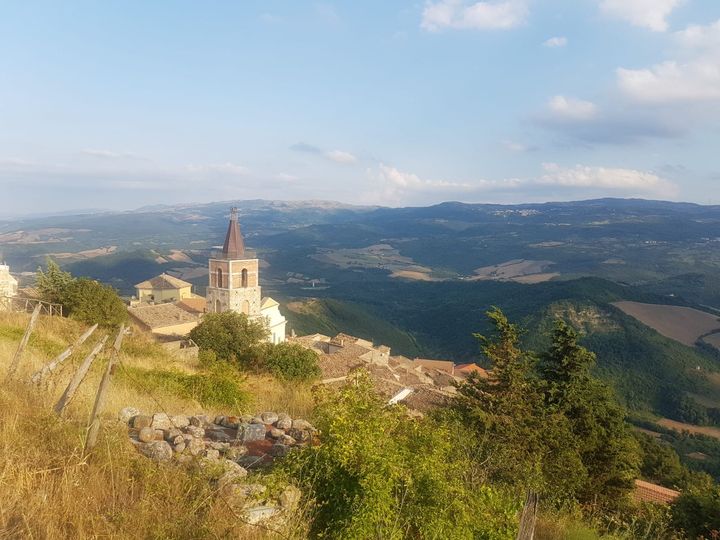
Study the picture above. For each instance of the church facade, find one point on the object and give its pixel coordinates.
(234, 284)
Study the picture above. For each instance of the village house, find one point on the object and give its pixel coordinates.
(8, 284)
(163, 288)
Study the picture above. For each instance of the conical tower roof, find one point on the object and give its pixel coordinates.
(234, 246)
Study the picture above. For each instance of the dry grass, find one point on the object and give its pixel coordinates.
(691, 428)
(50, 490)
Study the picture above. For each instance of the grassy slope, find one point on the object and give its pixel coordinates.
(328, 316)
(51, 491)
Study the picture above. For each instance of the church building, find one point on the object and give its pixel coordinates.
(234, 284)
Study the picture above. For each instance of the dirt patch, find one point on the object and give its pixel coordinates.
(520, 270)
(696, 430)
(536, 278)
(411, 274)
(179, 256)
(87, 254)
(682, 324)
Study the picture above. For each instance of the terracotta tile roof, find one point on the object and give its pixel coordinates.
(161, 315)
(163, 282)
(443, 365)
(465, 369)
(647, 492)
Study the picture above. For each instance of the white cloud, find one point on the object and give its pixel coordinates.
(700, 37)
(486, 15)
(651, 14)
(627, 180)
(285, 177)
(514, 146)
(568, 108)
(555, 42)
(668, 82)
(230, 169)
(106, 154)
(580, 180)
(15, 162)
(338, 156)
(695, 78)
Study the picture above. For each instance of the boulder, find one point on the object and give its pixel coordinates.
(230, 422)
(146, 435)
(287, 440)
(159, 435)
(195, 446)
(302, 424)
(269, 417)
(235, 452)
(290, 498)
(218, 435)
(199, 420)
(233, 473)
(195, 431)
(257, 420)
(250, 462)
(260, 513)
(276, 433)
(246, 418)
(157, 450)
(251, 432)
(127, 414)
(179, 448)
(211, 453)
(279, 450)
(219, 419)
(171, 433)
(284, 421)
(219, 446)
(300, 435)
(180, 421)
(161, 421)
(141, 420)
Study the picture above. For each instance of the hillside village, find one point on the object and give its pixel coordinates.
(166, 307)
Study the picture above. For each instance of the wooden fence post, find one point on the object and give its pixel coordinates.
(526, 531)
(94, 428)
(78, 377)
(48, 368)
(23, 342)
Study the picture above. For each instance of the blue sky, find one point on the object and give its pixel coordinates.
(120, 104)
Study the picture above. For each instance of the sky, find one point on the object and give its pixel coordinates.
(122, 104)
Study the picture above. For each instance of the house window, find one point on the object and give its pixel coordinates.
(218, 306)
(219, 278)
(244, 278)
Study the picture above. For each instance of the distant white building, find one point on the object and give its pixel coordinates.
(8, 284)
(234, 284)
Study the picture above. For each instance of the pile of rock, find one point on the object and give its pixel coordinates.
(248, 441)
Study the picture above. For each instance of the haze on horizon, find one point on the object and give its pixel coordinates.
(119, 105)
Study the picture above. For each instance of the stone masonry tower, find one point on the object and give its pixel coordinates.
(234, 280)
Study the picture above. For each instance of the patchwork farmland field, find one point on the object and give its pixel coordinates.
(682, 324)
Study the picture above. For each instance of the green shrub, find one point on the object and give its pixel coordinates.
(233, 337)
(697, 513)
(292, 362)
(379, 474)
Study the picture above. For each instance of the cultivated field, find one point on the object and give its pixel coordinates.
(682, 324)
(519, 270)
(680, 426)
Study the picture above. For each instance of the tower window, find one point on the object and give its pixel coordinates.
(244, 278)
(219, 278)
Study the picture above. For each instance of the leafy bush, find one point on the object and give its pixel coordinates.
(233, 337)
(697, 513)
(293, 362)
(83, 299)
(380, 474)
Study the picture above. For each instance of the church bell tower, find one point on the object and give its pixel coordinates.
(234, 279)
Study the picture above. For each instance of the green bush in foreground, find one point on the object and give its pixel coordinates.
(380, 474)
(292, 362)
(233, 337)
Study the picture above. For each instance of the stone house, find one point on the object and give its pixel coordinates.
(163, 288)
(8, 284)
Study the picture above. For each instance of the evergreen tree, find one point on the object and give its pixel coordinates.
(609, 454)
(53, 283)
